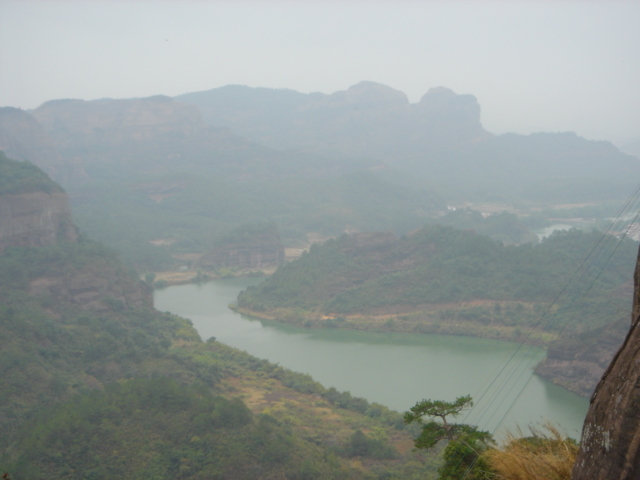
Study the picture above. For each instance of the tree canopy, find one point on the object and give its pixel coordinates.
(463, 453)
(23, 177)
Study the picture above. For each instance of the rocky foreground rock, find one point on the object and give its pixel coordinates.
(610, 445)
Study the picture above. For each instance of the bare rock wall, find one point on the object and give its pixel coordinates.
(610, 444)
(35, 219)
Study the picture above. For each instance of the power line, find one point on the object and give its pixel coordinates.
(585, 268)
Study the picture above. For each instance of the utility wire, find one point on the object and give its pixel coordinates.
(593, 255)
(569, 288)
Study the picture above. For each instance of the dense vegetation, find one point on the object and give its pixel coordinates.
(247, 234)
(504, 227)
(52, 349)
(473, 454)
(19, 265)
(123, 390)
(471, 277)
(23, 177)
(195, 210)
(156, 428)
(98, 384)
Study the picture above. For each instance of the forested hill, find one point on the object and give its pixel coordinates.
(449, 281)
(440, 270)
(23, 177)
(97, 384)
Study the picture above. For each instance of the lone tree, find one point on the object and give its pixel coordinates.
(433, 432)
(462, 456)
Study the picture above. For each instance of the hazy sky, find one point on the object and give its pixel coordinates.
(534, 66)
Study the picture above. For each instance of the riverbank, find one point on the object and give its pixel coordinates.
(394, 369)
(427, 320)
(171, 278)
(416, 321)
(562, 367)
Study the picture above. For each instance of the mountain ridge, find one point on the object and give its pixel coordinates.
(439, 139)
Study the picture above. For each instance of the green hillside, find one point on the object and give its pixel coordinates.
(190, 211)
(121, 389)
(23, 177)
(97, 384)
(443, 279)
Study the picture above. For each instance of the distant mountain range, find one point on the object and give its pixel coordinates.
(246, 132)
(632, 148)
(367, 120)
(184, 169)
(440, 138)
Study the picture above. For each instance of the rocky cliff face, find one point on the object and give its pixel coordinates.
(577, 364)
(35, 212)
(23, 138)
(35, 219)
(120, 139)
(444, 117)
(610, 444)
(81, 123)
(368, 119)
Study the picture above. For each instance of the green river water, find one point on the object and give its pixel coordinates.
(393, 369)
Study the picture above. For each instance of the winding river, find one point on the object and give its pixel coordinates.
(393, 369)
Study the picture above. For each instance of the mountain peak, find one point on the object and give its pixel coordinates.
(443, 101)
(367, 92)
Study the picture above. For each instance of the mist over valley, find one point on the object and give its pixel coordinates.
(317, 241)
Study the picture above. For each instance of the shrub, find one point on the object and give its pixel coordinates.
(544, 455)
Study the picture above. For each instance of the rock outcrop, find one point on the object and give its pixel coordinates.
(34, 210)
(367, 119)
(444, 117)
(141, 137)
(610, 444)
(82, 124)
(578, 363)
(35, 219)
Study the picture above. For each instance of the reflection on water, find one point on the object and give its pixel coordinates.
(394, 369)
